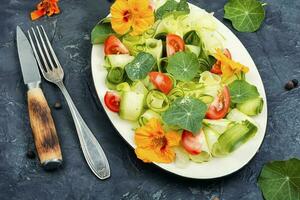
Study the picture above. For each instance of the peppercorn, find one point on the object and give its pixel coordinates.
(289, 85)
(30, 154)
(295, 81)
(57, 105)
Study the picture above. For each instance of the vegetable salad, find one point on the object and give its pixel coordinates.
(187, 99)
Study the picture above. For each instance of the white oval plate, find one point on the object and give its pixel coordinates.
(217, 167)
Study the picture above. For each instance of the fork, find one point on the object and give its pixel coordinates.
(53, 72)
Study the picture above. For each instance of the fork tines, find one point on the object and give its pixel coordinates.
(44, 53)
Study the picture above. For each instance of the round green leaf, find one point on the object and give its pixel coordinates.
(185, 112)
(183, 66)
(280, 180)
(245, 15)
(241, 91)
(140, 66)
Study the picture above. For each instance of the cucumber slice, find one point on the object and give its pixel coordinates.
(218, 126)
(139, 87)
(233, 138)
(154, 47)
(149, 114)
(211, 137)
(205, 155)
(251, 107)
(193, 49)
(237, 116)
(131, 105)
(182, 157)
(206, 99)
(119, 60)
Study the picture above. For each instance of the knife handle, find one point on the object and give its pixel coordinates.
(43, 129)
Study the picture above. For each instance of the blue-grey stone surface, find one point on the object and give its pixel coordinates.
(275, 49)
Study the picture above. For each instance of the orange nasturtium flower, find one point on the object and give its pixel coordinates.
(228, 66)
(131, 15)
(153, 144)
(48, 7)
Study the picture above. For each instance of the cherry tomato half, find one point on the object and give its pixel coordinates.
(216, 68)
(112, 101)
(220, 106)
(174, 44)
(113, 45)
(161, 81)
(191, 143)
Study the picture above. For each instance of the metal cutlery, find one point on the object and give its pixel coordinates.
(42, 124)
(53, 72)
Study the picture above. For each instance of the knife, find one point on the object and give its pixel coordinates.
(41, 121)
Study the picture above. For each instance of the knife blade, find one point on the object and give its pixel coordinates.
(41, 121)
(30, 70)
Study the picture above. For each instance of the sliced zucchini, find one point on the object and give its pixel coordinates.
(131, 105)
(219, 125)
(193, 49)
(251, 107)
(211, 137)
(233, 138)
(154, 47)
(149, 114)
(119, 60)
(205, 154)
(182, 157)
(237, 116)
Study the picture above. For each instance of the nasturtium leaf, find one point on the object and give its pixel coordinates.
(183, 66)
(245, 15)
(185, 112)
(241, 91)
(140, 66)
(172, 6)
(100, 32)
(280, 180)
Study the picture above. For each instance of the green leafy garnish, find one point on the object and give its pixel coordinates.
(140, 66)
(281, 180)
(241, 91)
(170, 6)
(183, 66)
(192, 38)
(185, 112)
(245, 15)
(100, 32)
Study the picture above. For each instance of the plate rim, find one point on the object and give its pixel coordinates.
(264, 129)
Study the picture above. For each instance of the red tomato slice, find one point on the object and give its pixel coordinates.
(161, 81)
(216, 68)
(112, 101)
(174, 44)
(220, 106)
(113, 45)
(191, 143)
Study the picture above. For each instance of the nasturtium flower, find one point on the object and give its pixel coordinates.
(229, 67)
(153, 144)
(135, 16)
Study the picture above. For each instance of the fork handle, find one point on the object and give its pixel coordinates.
(43, 129)
(92, 150)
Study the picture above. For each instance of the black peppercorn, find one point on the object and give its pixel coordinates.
(30, 154)
(289, 85)
(295, 81)
(57, 105)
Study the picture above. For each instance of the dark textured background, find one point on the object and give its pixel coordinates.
(275, 49)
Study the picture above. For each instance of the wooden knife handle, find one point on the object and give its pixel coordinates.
(43, 129)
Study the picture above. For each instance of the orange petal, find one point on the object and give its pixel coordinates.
(151, 155)
(37, 14)
(119, 26)
(173, 138)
